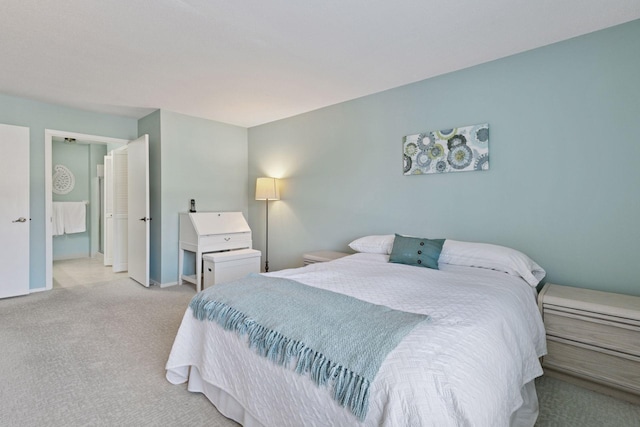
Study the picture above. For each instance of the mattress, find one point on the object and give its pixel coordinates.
(467, 366)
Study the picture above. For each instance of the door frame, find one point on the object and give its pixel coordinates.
(49, 134)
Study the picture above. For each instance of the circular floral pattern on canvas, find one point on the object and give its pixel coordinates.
(480, 135)
(407, 163)
(63, 180)
(424, 140)
(456, 140)
(482, 163)
(410, 149)
(460, 156)
(446, 133)
(448, 150)
(423, 159)
(435, 151)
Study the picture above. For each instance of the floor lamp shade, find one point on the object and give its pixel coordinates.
(267, 189)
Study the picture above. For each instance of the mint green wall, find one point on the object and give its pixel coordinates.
(39, 116)
(564, 163)
(197, 159)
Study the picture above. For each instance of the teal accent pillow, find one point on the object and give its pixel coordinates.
(416, 251)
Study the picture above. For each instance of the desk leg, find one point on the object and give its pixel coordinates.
(198, 271)
(180, 264)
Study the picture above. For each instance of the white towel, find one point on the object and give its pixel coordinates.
(57, 219)
(75, 217)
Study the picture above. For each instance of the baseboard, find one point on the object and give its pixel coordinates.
(71, 256)
(162, 285)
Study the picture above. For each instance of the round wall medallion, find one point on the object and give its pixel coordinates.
(63, 180)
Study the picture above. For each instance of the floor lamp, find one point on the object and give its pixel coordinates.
(267, 189)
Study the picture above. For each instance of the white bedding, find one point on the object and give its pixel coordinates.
(466, 367)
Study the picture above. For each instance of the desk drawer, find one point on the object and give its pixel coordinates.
(225, 241)
(592, 364)
(590, 330)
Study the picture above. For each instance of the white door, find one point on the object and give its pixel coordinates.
(14, 211)
(120, 232)
(138, 151)
(107, 211)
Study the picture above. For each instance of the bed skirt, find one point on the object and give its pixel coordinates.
(228, 406)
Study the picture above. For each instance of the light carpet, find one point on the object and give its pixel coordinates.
(94, 355)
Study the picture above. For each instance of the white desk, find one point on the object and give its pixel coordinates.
(206, 232)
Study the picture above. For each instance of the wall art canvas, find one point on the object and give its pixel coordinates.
(449, 150)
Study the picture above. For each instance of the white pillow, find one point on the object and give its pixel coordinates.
(493, 257)
(373, 244)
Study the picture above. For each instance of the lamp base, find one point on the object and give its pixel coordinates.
(266, 266)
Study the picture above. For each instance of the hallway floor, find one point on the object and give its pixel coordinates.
(82, 271)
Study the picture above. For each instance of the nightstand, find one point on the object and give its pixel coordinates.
(321, 256)
(593, 339)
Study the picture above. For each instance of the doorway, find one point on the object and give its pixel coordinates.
(78, 183)
(73, 270)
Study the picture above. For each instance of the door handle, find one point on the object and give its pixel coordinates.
(145, 219)
(21, 219)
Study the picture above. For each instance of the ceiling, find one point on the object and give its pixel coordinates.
(248, 62)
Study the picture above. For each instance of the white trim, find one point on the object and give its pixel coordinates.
(73, 256)
(162, 285)
(49, 134)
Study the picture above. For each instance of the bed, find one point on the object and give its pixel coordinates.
(471, 364)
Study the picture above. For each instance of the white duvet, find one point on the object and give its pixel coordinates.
(466, 367)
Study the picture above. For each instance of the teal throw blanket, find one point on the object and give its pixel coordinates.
(341, 341)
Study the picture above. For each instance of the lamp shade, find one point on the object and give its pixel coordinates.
(267, 189)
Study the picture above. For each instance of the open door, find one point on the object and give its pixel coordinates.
(138, 201)
(107, 211)
(120, 222)
(127, 209)
(14, 211)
